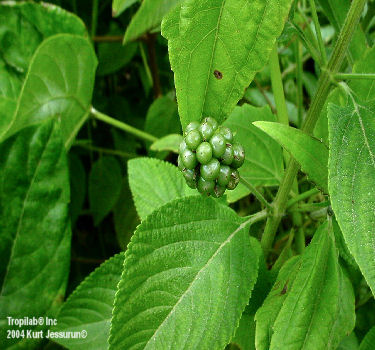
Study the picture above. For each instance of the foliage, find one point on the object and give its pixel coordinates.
(101, 104)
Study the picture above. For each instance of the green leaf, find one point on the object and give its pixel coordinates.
(119, 6)
(309, 152)
(154, 183)
(352, 180)
(349, 343)
(167, 143)
(369, 340)
(216, 48)
(105, 181)
(190, 266)
(263, 156)
(89, 308)
(245, 333)
(148, 17)
(312, 297)
(35, 238)
(59, 84)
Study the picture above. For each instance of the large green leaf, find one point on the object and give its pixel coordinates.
(59, 84)
(167, 143)
(23, 26)
(188, 275)
(34, 225)
(215, 49)
(105, 181)
(119, 6)
(154, 183)
(89, 308)
(149, 16)
(244, 338)
(263, 156)
(369, 340)
(352, 180)
(311, 305)
(310, 153)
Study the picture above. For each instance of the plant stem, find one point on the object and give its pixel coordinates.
(258, 217)
(108, 38)
(346, 76)
(106, 150)
(150, 41)
(324, 85)
(120, 125)
(318, 32)
(298, 55)
(94, 17)
(256, 193)
(145, 63)
(301, 197)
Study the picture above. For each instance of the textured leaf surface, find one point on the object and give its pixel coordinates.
(310, 153)
(167, 143)
(245, 333)
(90, 307)
(263, 156)
(188, 274)
(215, 49)
(35, 239)
(154, 183)
(352, 180)
(149, 16)
(105, 182)
(59, 84)
(312, 297)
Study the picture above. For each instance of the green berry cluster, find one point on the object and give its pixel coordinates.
(209, 159)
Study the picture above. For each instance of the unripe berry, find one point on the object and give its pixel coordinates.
(182, 147)
(204, 153)
(238, 155)
(226, 132)
(224, 175)
(205, 186)
(227, 157)
(193, 139)
(192, 126)
(210, 171)
(180, 165)
(234, 180)
(190, 177)
(212, 121)
(218, 145)
(189, 159)
(218, 191)
(206, 130)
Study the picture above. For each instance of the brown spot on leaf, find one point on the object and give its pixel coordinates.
(285, 289)
(218, 75)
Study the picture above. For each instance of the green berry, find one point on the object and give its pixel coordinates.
(234, 180)
(238, 155)
(224, 175)
(227, 157)
(205, 186)
(192, 126)
(210, 171)
(193, 139)
(206, 130)
(212, 121)
(183, 147)
(180, 165)
(189, 159)
(218, 145)
(190, 177)
(218, 191)
(204, 153)
(226, 132)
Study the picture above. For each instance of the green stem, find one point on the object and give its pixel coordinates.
(256, 193)
(300, 240)
(145, 63)
(346, 76)
(299, 65)
(106, 150)
(120, 125)
(318, 32)
(262, 215)
(302, 197)
(94, 17)
(324, 85)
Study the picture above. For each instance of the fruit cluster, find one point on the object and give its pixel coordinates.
(209, 159)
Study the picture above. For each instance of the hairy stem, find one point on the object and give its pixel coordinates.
(347, 76)
(120, 125)
(313, 114)
(256, 193)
